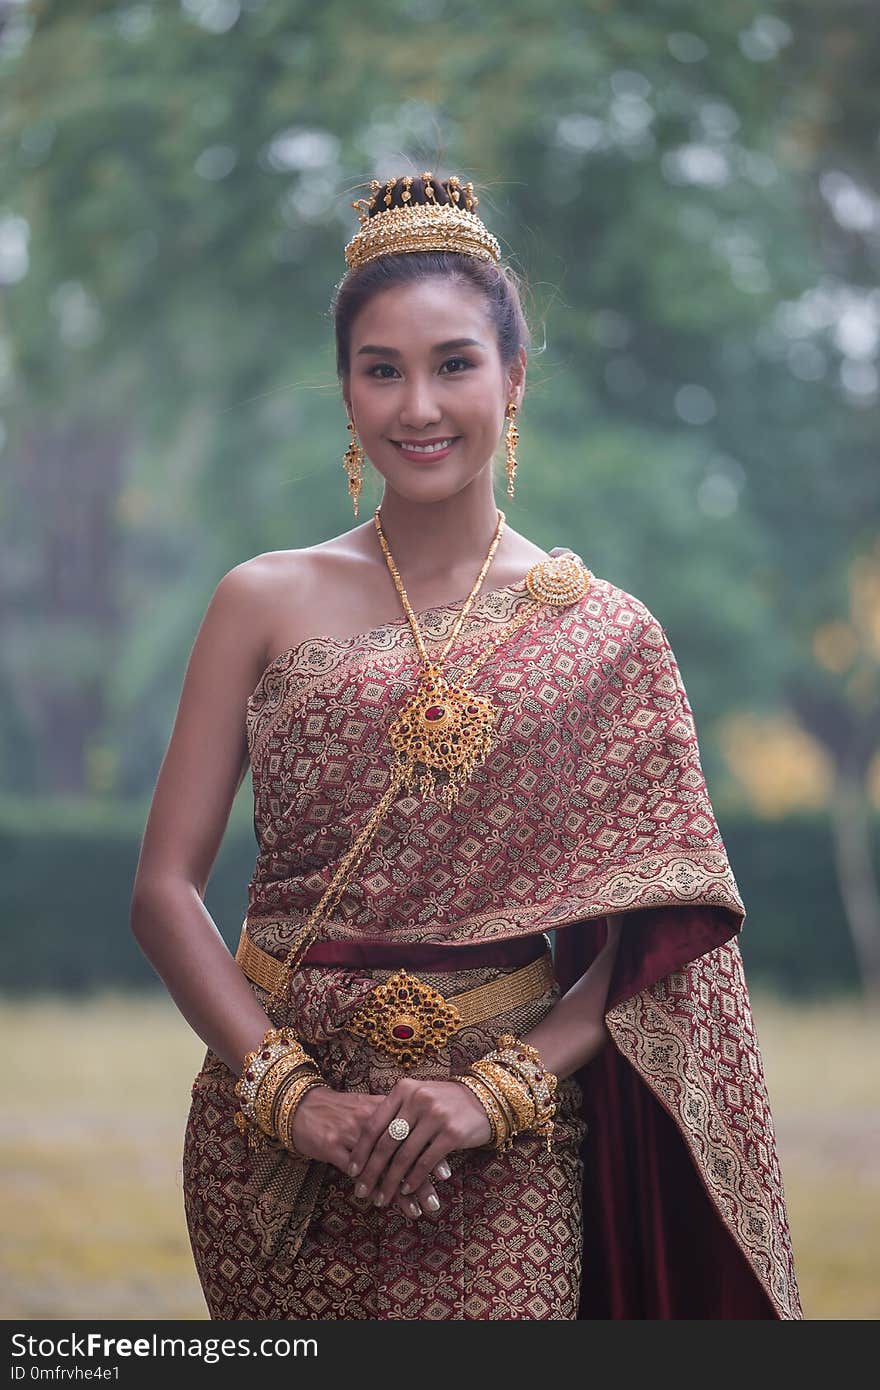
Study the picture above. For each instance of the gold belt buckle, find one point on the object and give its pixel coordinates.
(405, 1018)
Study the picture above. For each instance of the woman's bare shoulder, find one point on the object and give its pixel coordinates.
(309, 567)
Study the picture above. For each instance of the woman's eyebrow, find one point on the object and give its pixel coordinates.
(438, 347)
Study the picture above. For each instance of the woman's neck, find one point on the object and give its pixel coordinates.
(430, 541)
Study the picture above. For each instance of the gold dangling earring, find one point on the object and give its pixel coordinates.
(512, 441)
(353, 463)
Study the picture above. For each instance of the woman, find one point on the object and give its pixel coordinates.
(410, 1108)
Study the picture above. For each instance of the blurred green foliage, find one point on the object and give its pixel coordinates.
(692, 195)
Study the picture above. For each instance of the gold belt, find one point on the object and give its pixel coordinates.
(403, 1016)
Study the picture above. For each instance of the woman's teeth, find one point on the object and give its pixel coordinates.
(425, 448)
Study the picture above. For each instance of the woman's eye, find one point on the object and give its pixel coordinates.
(386, 366)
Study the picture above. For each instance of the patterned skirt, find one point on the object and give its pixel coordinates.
(274, 1237)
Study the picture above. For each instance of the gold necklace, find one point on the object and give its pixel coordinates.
(444, 726)
(558, 582)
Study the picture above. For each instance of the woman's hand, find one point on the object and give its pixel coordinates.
(442, 1116)
(328, 1125)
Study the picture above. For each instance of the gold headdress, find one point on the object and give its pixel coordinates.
(428, 226)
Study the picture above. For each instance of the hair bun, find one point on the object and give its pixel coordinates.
(409, 190)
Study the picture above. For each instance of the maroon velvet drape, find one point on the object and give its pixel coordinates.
(655, 1244)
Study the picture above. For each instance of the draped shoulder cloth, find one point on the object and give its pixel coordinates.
(591, 801)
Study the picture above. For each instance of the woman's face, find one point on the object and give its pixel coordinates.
(424, 367)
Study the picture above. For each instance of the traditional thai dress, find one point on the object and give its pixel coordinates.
(661, 1196)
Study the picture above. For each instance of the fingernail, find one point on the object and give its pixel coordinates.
(406, 1188)
(443, 1169)
(379, 1199)
(353, 1169)
(361, 1189)
(433, 1203)
(415, 1209)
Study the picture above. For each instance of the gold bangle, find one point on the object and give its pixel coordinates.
(525, 1061)
(267, 1085)
(292, 1093)
(540, 1095)
(264, 1101)
(500, 1099)
(279, 1042)
(524, 1058)
(518, 1071)
(272, 1035)
(516, 1092)
(289, 1105)
(511, 1040)
(496, 1119)
(517, 1096)
(289, 1116)
(521, 1059)
(497, 1128)
(281, 1090)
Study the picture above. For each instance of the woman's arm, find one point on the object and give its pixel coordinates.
(201, 773)
(178, 936)
(574, 1031)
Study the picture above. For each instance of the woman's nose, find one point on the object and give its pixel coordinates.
(419, 407)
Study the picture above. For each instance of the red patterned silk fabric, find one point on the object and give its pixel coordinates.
(592, 800)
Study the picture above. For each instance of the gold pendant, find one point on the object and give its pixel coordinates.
(445, 728)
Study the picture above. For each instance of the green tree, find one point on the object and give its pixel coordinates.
(692, 194)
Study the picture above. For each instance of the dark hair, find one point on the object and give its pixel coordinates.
(499, 284)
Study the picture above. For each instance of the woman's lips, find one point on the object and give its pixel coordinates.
(418, 456)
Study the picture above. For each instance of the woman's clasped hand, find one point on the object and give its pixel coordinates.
(350, 1129)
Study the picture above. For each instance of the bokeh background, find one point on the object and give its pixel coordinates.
(692, 193)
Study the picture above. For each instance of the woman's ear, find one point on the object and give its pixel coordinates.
(516, 378)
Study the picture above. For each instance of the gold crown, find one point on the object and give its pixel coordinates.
(429, 226)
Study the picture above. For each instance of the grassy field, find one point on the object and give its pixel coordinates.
(97, 1098)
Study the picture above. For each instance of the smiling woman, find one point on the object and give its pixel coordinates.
(400, 386)
(419, 397)
(410, 1106)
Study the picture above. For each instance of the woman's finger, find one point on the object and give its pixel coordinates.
(376, 1144)
(410, 1206)
(428, 1197)
(377, 1124)
(399, 1162)
(419, 1174)
(441, 1173)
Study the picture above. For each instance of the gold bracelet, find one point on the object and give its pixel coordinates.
(539, 1094)
(525, 1061)
(517, 1093)
(277, 1043)
(289, 1106)
(496, 1118)
(281, 1090)
(523, 1066)
(272, 1035)
(267, 1090)
(501, 1101)
(521, 1057)
(290, 1114)
(511, 1040)
(287, 1090)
